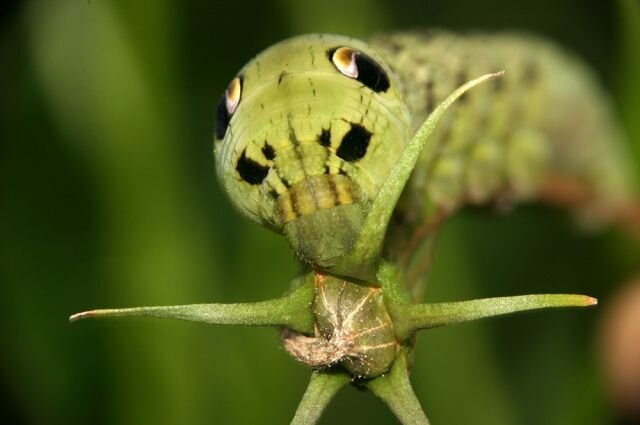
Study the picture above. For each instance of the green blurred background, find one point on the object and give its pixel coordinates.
(108, 198)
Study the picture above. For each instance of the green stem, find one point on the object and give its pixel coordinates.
(410, 318)
(388, 276)
(396, 391)
(360, 262)
(293, 311)
(322, 387)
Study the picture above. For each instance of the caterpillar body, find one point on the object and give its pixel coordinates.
(353, 150)
(310, 129)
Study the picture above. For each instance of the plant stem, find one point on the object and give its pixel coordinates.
(322, 387)
(292, 311)
(394, 290)
(396, 391)
(410, 318)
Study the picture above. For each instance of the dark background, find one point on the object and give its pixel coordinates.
(108, 198)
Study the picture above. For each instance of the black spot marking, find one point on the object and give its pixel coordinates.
(250, 170)
(268, 151)
(325, 137)
(354, 144)
(273, 194)
(222, 118)
(327, 170)
(370, 73)
(342, 172)
(285, 182)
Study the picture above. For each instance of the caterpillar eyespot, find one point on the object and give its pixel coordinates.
(232, 95)
(306, 155)
(361, 67)
(227, 106)
(345, 61)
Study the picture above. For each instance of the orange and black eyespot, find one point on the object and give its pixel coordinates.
(355, 64)
(227, 106)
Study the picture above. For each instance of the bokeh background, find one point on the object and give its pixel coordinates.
(108, 198)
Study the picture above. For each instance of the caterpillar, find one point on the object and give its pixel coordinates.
(309, 130)
(357, 151)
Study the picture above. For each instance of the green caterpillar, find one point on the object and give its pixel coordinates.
(356, 152)
(310, 129)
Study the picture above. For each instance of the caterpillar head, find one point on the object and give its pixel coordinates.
(305, 135)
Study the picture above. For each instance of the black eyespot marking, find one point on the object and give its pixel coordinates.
(371, 74)
(354, 144)
(357, 65)
(325, 138)
(268, 151)
(222, 118)
(251, 171)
